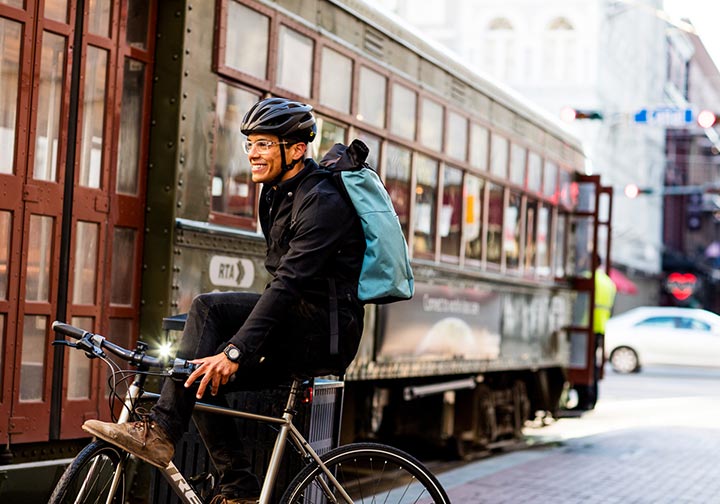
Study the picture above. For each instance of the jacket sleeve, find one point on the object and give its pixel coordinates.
(322, 223)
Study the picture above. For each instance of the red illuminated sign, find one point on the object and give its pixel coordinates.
(681, 285)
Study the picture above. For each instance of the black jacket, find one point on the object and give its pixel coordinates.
(325, 241)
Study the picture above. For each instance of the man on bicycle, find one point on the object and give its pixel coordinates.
(314, 263)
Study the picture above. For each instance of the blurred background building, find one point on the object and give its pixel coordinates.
(629, 80)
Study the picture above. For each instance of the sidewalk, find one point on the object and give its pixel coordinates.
(658, 465)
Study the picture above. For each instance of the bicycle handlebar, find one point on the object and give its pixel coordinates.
(94, 344)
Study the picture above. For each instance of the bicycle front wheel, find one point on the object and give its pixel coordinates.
(96, 475)
(368, 472)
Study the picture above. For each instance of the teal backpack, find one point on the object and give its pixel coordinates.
(386, 275)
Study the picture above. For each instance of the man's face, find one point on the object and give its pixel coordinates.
(266, 166)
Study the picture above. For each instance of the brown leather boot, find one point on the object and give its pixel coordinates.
(144, 439)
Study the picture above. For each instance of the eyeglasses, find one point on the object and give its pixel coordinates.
(261, 146)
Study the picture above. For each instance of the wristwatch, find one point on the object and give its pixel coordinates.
(232, 353)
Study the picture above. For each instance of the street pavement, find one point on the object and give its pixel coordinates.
(653, 450)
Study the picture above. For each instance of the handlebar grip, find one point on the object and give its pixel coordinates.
(68, 330)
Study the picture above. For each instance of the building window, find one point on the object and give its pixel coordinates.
(500, 48)
(560, 49)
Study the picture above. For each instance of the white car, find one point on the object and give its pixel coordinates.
(662, 335)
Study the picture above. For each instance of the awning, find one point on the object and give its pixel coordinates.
(624, 284)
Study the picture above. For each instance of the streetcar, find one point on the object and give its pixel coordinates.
(125, 193)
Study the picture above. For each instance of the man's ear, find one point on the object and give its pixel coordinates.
(299, 150)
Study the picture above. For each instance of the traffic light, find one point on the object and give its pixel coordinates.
(633, 191)
(569, 114)
(707, 119)
(694, 211)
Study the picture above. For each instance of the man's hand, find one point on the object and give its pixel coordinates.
(215, 370)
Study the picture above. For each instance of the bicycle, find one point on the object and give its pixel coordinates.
(353, 473)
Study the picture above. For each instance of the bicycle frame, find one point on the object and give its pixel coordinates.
(184, 490)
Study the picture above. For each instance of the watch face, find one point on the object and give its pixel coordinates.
(232, 353)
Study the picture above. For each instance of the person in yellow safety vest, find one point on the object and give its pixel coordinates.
(605, 292)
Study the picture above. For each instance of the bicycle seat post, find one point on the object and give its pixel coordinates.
(277, 453)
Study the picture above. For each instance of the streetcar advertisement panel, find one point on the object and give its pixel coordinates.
(443, 323)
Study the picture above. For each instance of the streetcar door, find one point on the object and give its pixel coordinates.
(589, 217)
(76, 79)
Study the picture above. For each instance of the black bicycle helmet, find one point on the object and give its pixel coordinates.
(286, 119)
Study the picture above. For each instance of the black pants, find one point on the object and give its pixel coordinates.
(213, 319)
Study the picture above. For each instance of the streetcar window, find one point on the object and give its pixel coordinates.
(335, 80)
(2, 345)
(518, 154)
(37, 273)
(404, 110)
(373, 144)
(371, 100)
(457, 136)
(473, 191)
(431, 124)
(85, 262)
(512, 231)
(582, 195)
(32, 360)
(233, 191)
(451, 212)
(136, 33)
(550, 181)
(495, 219)
(78, 370)
(247, 37)
(5, 226)
(93, 121)
(54, 9)
(295, 61)
(499, 155)
(122, 280)
(131, 116)
(48, 108)
(397, 181)
(478, 146)
(425, 206)
(559, 251)
(569, 192)
(531, 224)
(10, 32)
(534, 172)
(120, 332)
(544, 235)
(328, 134)
(98, 17)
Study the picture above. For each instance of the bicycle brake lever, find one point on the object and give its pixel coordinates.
(64, 343)
(180, 371)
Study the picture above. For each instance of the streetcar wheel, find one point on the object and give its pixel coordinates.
(624, 360)
(97, 474)
(368, 472)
